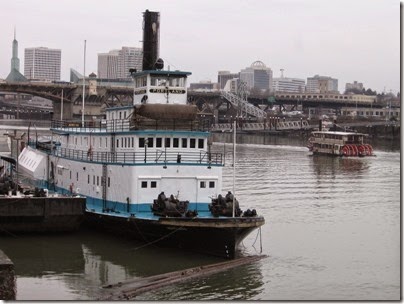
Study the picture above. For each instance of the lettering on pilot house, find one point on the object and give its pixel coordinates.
(172, 91)
(138, 92)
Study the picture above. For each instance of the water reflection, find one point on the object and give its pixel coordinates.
(83, 262)
(241, 283)
(35, 256)
(328, 165)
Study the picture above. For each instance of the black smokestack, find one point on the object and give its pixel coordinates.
(151, 35)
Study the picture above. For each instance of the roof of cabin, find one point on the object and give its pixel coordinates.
(337, 133)
(162, 72)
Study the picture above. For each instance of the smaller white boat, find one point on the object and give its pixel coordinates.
(339, 143)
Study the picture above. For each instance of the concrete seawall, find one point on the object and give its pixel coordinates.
(7, 278)
(41, 214)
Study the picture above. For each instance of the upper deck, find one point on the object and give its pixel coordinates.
(337, 137)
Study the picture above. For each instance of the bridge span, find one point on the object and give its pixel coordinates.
(67, 99)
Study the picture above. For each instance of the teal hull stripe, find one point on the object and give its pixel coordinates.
(141, 210)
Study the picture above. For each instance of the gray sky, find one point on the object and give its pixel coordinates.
(345, 39)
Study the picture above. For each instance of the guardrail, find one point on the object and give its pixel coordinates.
(135, 157)
(124, 125)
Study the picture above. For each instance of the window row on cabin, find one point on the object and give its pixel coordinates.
(153, 184)
(151, 142)
(96, 179)
(159, 142)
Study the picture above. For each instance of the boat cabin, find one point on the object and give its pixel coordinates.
(160, 87)
(340, 138)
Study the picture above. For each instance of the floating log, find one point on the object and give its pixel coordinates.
(131, 288)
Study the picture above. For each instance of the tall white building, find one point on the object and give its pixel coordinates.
(116, 63)
(224, 76)
(286, 84)
(257, 76)
(42, 63)
(322, 84)
(108, 65)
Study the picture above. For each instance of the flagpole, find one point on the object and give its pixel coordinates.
(84, 85)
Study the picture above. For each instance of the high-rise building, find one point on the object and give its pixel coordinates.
(224, 76)
(42, 63)
(354, 86)
(204, 85)
(287, 84)
(322, 84)
(116, 63)
(129, 58)
(257, 76)
(108, 65)
(15, 61)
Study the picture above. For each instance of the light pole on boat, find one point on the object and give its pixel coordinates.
(146, 142)
(84, 85)
(234, 166)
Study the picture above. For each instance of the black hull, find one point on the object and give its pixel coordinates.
(213, 236)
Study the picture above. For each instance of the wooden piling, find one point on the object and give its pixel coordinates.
(131, 288)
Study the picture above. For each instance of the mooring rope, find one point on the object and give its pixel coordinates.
(157, 240)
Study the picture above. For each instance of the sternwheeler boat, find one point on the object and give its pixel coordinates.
(146, 170)
(338, 143)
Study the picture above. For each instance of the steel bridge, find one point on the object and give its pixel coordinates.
(71, 96)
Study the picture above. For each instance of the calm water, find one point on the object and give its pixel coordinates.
(332, 232)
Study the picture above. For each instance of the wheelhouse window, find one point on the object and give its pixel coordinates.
(168, 142)
(153, 184)
(150, 142)
(184, 142)
(175, 142)
(211, 184)
(192, 143)
(159, 142)
(202, 184)
(141, 142)
(201, 143)
(144, 184)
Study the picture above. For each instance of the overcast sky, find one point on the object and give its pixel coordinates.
(345, 39)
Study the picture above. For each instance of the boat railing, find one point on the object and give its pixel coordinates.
(124, 125)
(133, 157)
(114, 125)
(328, 141)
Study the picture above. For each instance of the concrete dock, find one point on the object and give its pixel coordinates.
(7, 278)
(41, 214)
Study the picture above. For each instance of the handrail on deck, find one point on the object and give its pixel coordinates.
(124, 125)
(132, 157)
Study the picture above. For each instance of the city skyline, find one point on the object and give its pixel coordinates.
(347, 40)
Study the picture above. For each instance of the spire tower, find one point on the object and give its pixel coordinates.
(15, 62)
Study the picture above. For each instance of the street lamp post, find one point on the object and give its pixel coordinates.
(145, 149)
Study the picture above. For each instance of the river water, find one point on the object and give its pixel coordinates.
(332, 232)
